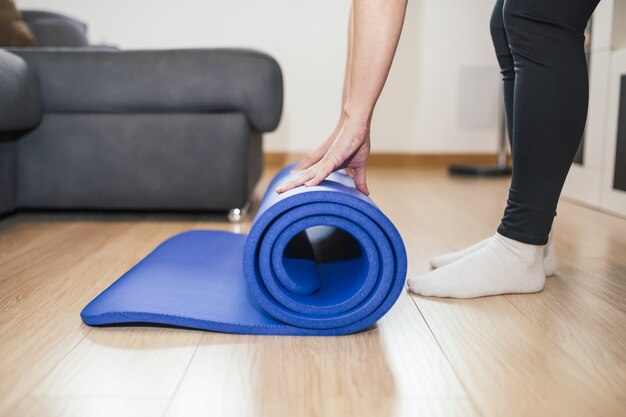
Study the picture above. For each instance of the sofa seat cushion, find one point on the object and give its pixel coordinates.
(176, 161)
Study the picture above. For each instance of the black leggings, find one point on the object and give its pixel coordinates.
(540, 49)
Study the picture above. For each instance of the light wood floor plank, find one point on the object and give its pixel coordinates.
(432, 408)
(92, 407)
(419, 368)
(508, 365)
(24, 274)
(125, 362)
(590, 330)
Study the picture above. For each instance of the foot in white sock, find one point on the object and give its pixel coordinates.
(549, 256)
(447, 258)
(501, 266)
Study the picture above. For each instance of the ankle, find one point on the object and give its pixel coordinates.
(525, 252)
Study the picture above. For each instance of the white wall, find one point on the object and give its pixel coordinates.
(423, 108)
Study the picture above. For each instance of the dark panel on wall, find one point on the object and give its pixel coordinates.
(619, 178)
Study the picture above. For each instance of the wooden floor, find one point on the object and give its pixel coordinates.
(561, 352)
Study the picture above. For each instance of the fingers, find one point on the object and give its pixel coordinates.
(359, 180)
(345, 152)
(309, 177)
(323, 171)
(303, 177)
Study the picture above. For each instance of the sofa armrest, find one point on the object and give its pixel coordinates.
(195, 80)
(20, 104)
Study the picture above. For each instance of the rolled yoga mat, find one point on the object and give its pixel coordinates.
(320, 260)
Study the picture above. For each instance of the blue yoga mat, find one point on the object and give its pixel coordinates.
(320, 260)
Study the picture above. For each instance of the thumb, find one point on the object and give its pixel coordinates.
(359, 180)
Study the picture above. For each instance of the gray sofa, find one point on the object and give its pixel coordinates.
(86, 127)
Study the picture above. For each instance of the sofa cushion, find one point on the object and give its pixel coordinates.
(13, 31)
(20, 107)
(55, 30)
(31, 16)
(80, 80)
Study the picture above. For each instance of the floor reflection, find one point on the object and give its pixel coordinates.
(333, 376)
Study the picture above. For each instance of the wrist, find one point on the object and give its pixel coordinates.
(358, 117)
(357, 130)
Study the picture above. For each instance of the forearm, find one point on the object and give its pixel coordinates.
(374, 31)
(376, 27)
(346, 74)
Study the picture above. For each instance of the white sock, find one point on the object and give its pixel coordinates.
(550, 262)
(501, 266)
(447, 258)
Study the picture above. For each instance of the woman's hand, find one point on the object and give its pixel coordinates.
(374, 32)
(314, 156)
(350, 149)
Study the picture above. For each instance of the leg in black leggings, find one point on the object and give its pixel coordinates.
(539, 45)
(546, 107)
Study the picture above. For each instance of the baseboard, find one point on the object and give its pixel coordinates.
(434, 160)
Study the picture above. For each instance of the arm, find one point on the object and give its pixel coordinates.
(376, 30)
